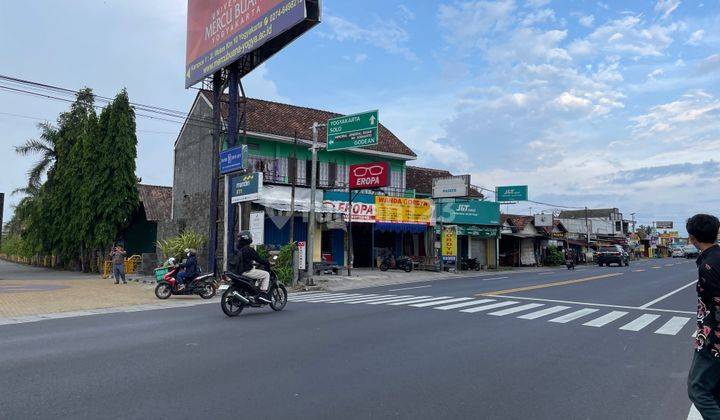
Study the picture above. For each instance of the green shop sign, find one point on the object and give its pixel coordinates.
(511, 193)
(357, 130)
(468, 212)
(482, 232)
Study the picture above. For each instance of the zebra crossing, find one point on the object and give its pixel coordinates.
(499, 307)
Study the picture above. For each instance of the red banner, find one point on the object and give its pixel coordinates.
(369, 175)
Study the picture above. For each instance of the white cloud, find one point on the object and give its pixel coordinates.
(693, 113)
(709, 64)
(539, 16)
(655, 73)
(587, 20)
(259, 83)
(383, 34)
(696, 37)
(568, 101)
(615, 37)
(530, 45)
(405, 13)
(468, 23)
(666, 7)
(536, 3)
(628, 36)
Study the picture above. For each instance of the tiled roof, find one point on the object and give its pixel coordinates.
(420, 179)
(285, 120)
(157, 201)
(517, 221)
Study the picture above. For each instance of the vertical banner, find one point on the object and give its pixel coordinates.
(257, 227)
(449, 243)
(302, 245)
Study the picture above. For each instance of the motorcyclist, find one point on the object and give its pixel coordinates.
(245, 255)
(189, 269)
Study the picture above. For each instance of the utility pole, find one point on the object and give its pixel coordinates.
(217, 92)
(292, 191)
(587, 230)
(311, 222)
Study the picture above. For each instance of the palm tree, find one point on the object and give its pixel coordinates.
(45, 146)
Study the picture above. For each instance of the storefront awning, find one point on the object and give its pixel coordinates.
(401, 227)
(523, 235)
(278, 197)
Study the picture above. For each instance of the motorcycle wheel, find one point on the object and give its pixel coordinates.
(383, 267)
(278, 296)
(163, 291)
(230, 305)
(477, 267)
(407, 268)
(208, 291)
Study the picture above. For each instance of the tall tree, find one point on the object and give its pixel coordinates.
(116, 170)
(43, 146)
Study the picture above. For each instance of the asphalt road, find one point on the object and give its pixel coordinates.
(620, 349)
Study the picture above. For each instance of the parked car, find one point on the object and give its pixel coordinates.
(613, 254)
(678, 253)
(690, 251)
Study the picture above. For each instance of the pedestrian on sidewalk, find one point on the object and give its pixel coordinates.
(704, 376)
(118, 255)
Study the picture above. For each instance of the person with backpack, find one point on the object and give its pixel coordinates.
(244, 258)
(189, 269)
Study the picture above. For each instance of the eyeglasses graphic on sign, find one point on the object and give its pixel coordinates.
(374, 170)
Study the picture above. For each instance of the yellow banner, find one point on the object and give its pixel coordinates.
(404, 210)
(449, 241)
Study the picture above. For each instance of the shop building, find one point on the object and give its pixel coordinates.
(278, 140)
(521, 243)
(478, 227)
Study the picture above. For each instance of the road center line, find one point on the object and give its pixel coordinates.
(665, 296)
(495, 278)
(603, 305)
(545, 285)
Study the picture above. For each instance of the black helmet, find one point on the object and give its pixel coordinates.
(244, 238)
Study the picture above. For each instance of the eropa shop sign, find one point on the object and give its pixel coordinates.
(369, 175)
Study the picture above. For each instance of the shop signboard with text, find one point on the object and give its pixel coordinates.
(246, 187)
(404, 210)
(470, 212)
(219, 32)
(454, 186)
(511, 193)
(363, 206)
(231, 160)
(369, 175)
(449, 243)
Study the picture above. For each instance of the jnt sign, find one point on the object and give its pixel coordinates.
(369, 175)
(356, 130)
(511, 193)
(246, 187)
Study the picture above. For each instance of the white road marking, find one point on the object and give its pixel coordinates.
(409, 288)
(667, 295)
(314, 296)
(495, 278)
(573, 315)
(640, 270)
(464, 304)
(346, 300)
(673, 326)
(603, 305)
(641, 322)
(422, 305)
(408, 302)
(337, 298)
(516, 309)
(488, 307)
(544, 312)
(380, 302)
(605, 319)
(378, 298)
(326, 297)
(544, 273)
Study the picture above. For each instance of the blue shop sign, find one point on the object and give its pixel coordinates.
(231, 160)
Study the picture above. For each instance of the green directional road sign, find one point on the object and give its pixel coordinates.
(357, 130)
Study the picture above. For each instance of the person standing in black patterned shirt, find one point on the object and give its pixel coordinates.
(704, 376)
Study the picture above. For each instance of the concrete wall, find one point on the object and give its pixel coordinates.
(192, 176)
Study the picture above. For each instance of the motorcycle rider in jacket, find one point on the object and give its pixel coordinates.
(242, 263)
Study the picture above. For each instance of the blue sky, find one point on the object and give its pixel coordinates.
(612, 104)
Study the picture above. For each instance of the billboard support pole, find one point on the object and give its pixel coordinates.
(311, 222)
(212, 251)
(350, 244)
(232, 131)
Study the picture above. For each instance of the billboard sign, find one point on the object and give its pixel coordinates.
(231, 160)
(404, 210)
(357, 130)
(455, 186)
(543, 219)
(219, 32)
(369, 175)
(511, 193)
(246, 187)
(664, 225)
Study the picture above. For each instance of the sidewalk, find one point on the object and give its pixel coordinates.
(365, 277)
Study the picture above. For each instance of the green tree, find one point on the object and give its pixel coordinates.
(43, 146)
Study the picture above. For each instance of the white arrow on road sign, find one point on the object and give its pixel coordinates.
(372, 120)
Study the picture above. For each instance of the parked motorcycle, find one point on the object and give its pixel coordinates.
(400, 263)
(570, 264)
(204, 285)
(470, 264)
(242, 292)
